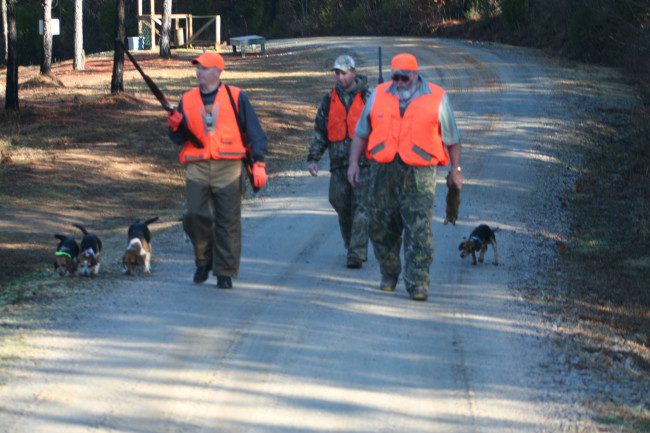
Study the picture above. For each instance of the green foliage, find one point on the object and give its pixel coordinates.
(514, 12)
(607, 31)
(99, 28)
(252, 16)
(482, 9)
(29, 41)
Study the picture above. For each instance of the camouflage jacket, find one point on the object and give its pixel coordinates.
(339, 151)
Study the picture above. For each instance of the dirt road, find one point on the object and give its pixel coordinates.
(303, 344)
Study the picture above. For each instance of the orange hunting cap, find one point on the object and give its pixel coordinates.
(404, 62)
(210, 59)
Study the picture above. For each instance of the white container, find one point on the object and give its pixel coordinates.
(134, 43)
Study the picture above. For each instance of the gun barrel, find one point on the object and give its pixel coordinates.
(161, 97)
(380, 79)
(152, 86)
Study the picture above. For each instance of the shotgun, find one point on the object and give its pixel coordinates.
(380, 79)
(161, 98)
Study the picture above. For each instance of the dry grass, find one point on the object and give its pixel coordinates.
(76, 153)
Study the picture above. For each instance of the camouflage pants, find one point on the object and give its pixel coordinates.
(351, 205)
(403, 206)
(213, 220)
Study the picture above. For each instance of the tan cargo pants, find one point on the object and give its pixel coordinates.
(214, 191)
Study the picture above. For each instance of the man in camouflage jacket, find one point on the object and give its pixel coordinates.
(407, 128)
(333, 131)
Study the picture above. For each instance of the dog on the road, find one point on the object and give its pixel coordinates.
(66, 255)
(89, 253)
(479, 239)
(138, 250)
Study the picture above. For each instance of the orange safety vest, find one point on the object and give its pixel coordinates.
(221, 139)
(416, 136)
(341, 123)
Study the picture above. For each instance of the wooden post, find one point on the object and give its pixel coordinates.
(217, 21)
(152, 23)
(139, 15)
(190, 29)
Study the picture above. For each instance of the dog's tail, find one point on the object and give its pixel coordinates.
(496, 229)
(150, 220)
(82, 228)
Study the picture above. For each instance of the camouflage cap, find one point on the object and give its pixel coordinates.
(343, 63)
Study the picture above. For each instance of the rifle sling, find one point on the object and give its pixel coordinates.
(248, 161)
(234, 109)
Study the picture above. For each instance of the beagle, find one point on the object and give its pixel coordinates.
(138, 250)
(66, 255)
(479, 239)
(89, 255)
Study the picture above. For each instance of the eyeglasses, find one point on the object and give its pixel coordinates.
(403, 78)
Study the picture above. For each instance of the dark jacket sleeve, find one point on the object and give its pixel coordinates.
(319, 142)
(254, 133)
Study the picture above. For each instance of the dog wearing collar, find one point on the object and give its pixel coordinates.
(66, 255)
(138, 250)
(89, 253)
(479, 239)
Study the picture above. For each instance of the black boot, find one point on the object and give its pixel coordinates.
(201, 274)
(354, 262)
(224, 282)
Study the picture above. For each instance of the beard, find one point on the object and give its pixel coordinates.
(405, 94)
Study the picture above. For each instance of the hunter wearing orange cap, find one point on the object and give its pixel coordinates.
(214, 113)
(408, 128)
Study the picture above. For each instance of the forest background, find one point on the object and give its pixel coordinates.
(611, 32)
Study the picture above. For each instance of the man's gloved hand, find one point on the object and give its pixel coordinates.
(174, 120)
(259, 174)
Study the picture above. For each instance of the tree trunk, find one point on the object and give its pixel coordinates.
(46, 66)
(11, 91)
(117, 82)
(5, 42)
(165, 32)
(79, 62)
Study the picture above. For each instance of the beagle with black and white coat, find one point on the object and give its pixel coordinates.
(138, 250)
(89, 253)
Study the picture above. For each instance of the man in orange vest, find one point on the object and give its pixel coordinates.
(408, 128)
(333, 130)
(213, 112)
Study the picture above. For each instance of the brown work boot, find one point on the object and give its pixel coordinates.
(388, 284)
(418, 293)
